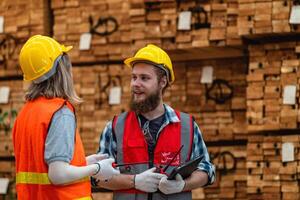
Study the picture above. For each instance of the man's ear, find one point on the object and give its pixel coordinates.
(163, 82)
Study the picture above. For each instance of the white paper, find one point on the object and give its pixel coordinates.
(3, 185)
(115, 96)
(85, 41)
(289, 94)
(295, 15)
(4, 94)
(184, 21)
(207, 74)
(287, 152)
(1, 24)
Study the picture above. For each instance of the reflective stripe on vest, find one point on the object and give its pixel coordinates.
(39, 178)
(32, 178)
(186, 139)
(85, 198)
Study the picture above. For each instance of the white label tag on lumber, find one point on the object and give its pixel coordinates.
(207, 74)
(184, 21)
(115, 96)
(287, 152)
(4, 94)
(289, 95)
(295, 15)
(3, 185)
(1, 24)
(85, 41)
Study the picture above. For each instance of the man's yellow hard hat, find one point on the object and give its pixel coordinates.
(38, 56)
(155, 55)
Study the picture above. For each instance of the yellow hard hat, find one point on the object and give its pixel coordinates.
(155, 55)
(38, 56)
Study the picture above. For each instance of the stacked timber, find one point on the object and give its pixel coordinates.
(217, 121)
(265, 17)
(272, 67)
(94, 85)
(231, 174)
(140, 23)
(21, 19)
(269, 176)
(8, 113)
(74, 18)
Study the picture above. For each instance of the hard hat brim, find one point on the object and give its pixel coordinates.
(130, 61)
(66, 49)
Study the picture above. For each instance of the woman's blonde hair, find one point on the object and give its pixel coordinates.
(60, 85)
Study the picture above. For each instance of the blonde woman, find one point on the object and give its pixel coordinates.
(50, 159)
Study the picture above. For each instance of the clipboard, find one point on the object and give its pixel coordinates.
(186, 169)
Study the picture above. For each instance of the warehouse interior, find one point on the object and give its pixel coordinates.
(236, 68)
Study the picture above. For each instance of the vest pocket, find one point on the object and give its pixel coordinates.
(136, 150)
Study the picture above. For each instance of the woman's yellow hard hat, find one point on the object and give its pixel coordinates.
(38, 56)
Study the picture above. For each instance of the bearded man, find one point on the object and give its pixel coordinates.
(150, 134)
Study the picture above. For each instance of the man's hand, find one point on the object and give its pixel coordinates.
(171, 186)
(92, 159)
(105, 171)
(148, 181)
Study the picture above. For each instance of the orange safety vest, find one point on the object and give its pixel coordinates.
(29, 135)
(133, 148)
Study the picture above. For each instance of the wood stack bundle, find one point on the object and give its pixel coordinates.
(8, 113)
(217, 121)
(153, 22)
(221, 31)
(22, 19)
(7, 170)
(140, 23)
(231, 182)
(264, 17)
(93, 84)
(72, 19)
(268, 176)
(221, 17)
(271, 68)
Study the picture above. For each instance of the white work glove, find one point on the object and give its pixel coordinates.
(92, 159)
(147, 181)
(171, 186)
(106, 171)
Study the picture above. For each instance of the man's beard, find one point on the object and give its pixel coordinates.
(147, 105)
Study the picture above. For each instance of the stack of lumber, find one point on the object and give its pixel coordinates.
(72, 19)
(22, 19)
(231, 174)
(8, 112)
(7, 170)
(268, 176)
(264, 17)
(217, 121)
(272, 67)
(93, 84)
(140, 23)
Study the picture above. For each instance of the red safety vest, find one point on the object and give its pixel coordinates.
(29, 135)
(132, 147)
